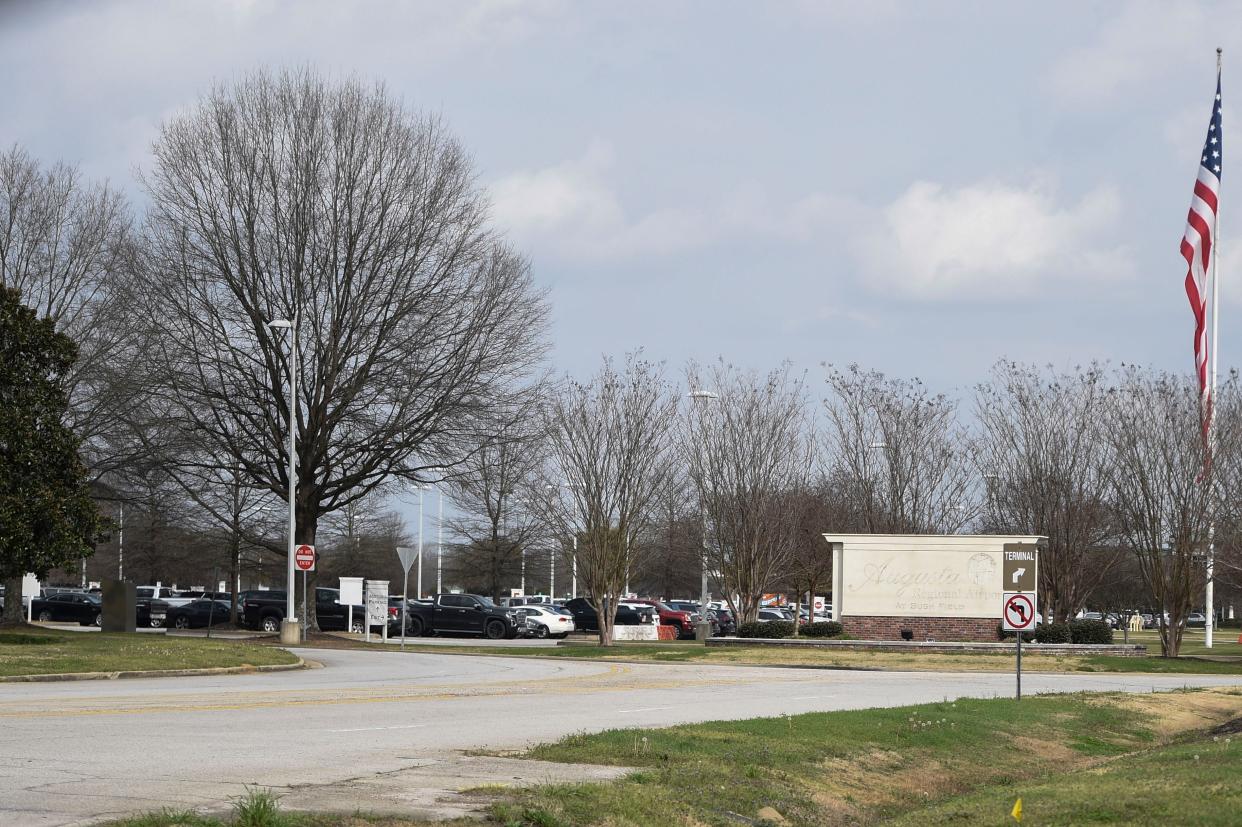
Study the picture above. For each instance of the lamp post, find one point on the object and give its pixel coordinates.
(120, 546)
(705, 396)
(573, 592)
(289, 632)
(440, 545)
(419, 580)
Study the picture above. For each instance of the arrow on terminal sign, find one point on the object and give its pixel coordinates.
(1017, 574)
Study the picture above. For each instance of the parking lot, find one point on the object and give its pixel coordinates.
(396, 724)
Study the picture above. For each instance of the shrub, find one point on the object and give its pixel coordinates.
(1053, 633)
(1003, 635)
(822, 628)
(1090, 631)
(772, 629)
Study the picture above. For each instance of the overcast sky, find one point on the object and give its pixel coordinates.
(921, 188)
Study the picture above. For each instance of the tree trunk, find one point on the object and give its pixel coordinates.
(13, 609)
(234, 565)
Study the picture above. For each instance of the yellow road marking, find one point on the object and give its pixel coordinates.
(273, 699)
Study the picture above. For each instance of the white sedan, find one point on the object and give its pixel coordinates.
(549, 622)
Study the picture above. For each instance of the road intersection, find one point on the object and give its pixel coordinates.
(386, 731)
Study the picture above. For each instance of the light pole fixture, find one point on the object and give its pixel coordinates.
(697, 395)
(288, 627)
(573, 593)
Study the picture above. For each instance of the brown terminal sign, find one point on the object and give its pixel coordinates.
(1020, 567)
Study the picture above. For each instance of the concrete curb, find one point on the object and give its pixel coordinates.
(158, 673)
(943, 647)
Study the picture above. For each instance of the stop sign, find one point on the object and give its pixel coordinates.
(304, 556)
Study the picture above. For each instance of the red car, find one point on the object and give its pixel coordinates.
(683, 621)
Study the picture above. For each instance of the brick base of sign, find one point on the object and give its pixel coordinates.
(668, 632)
(924, 628)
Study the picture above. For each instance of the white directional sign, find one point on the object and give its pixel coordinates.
(1018, 613)
(377, 603)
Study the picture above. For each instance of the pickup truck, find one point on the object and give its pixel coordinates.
(265, 610)
(467, 614)
(170, 597)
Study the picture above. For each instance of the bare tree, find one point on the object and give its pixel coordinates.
(291, 197)
(749, 453)
(66, 245)
(493, 490)
(361, 539)
(1043, 456)
(826, 508)
(609, 458)
(902, 453)
(1163, 502)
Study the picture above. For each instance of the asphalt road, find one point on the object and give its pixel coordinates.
(384, 730)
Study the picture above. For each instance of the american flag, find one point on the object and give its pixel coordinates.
(1197, 244)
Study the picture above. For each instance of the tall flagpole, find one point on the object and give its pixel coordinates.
(1209, 608)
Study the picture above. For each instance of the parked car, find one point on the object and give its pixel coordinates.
(199, 613)
(548, 622)
(769, 615)
(169, 596)
(76, 607)
(723, 621)
(1149, 620)
(682, 621)
(1198, 619)
(265, 611)
(586, 620)
(151, 612)
(469, 614)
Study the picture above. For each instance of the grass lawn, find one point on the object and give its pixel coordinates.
(961, 762)
(1114, 759)
(690, 652)
(1225, 642)
(36, 651)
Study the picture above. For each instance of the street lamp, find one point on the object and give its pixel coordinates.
(419, 580)
(573, 593)
(289, 626)
(705, 396)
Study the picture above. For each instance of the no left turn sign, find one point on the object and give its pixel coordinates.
(1019, 612)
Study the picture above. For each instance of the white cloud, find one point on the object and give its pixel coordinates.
(572, 210)
(1143, 41)
(990, 240)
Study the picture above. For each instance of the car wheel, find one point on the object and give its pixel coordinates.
(98, 621)
(541, 632)
(495, 630)
(358, 628)
(156, 622)
(182, 622)
(415, 627)
(45, 616)
(271, 624)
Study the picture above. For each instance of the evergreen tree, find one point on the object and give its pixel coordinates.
(47, 517)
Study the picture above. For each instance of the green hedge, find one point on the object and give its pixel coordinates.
(822, 628)
(1053, 633)
(1090, 631)
(1002, 635)
(771, 629)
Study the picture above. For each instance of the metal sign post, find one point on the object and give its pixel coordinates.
(1018, 615)
(1020, 576)
(304, 558)
(406, 555)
